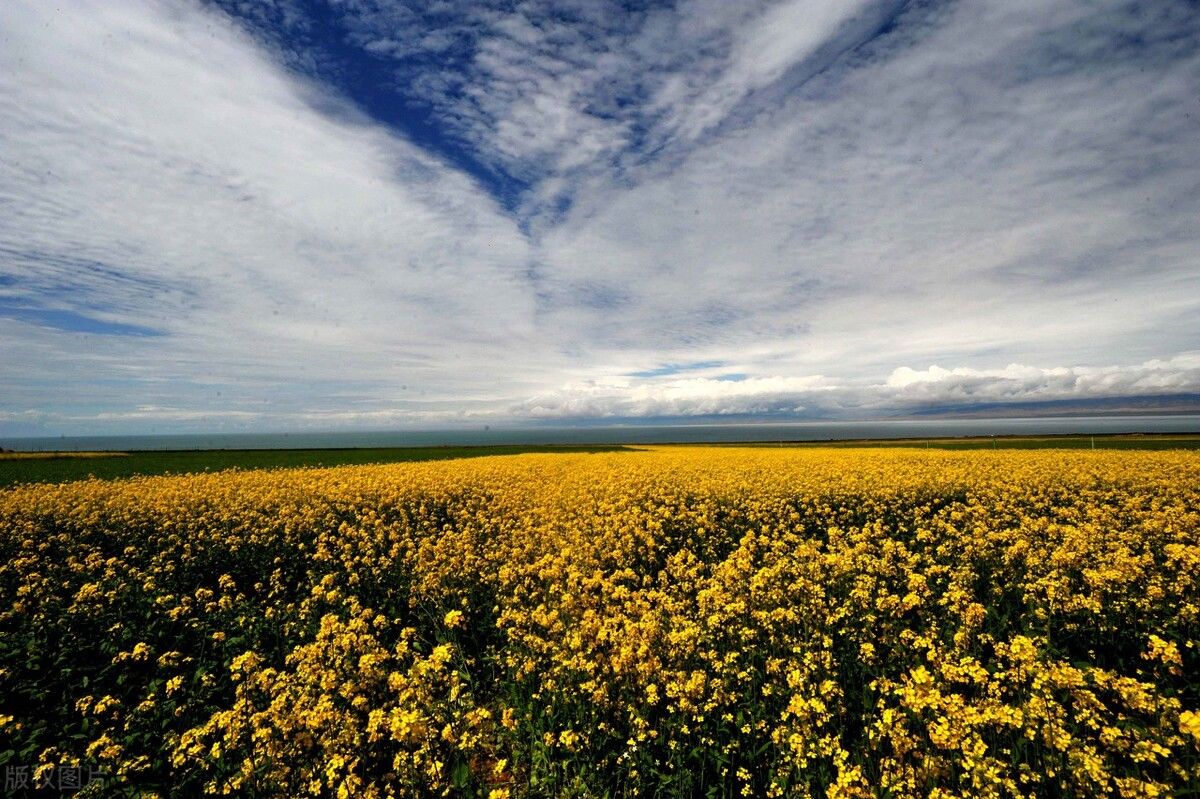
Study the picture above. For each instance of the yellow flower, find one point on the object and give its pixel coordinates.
(1189, 724)
(441, 655)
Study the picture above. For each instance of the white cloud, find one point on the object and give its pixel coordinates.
(693, 396)
(905, 390)
(1016, 382)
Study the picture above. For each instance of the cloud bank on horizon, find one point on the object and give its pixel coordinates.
(373, 213)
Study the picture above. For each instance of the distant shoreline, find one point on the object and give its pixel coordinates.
(626, 432)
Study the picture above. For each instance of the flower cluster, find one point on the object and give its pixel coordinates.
(678, 621)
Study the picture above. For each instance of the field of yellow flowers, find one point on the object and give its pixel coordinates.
(679, 621)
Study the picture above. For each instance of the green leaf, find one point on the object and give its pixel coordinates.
(461, 775)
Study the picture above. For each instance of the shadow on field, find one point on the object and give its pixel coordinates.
(67, 466)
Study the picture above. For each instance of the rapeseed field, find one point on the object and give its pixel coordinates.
(668, 622)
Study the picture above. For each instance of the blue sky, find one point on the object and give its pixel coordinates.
(371, 214)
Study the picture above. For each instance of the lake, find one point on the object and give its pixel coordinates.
(624, 434)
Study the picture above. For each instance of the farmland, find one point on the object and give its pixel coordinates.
(670, 621)
(54, 467)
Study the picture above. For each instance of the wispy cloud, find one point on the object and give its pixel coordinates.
(549, 93)
(159, 167)
(973, 186)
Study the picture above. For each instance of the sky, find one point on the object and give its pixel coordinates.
(372, 214)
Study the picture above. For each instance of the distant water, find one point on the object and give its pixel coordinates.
(627, 434)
